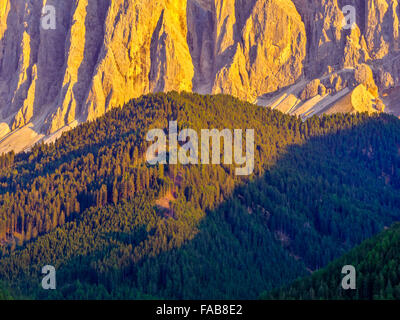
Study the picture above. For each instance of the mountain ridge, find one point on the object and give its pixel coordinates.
(375, 262)
(104, 53)
(88, 205)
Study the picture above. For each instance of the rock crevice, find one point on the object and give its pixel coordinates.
(104, 53)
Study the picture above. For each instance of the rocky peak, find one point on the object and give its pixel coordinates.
(104, 53)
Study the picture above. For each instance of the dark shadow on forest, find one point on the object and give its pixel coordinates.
(267, 242)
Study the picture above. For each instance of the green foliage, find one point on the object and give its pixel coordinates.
(376, 262)
(88, 203)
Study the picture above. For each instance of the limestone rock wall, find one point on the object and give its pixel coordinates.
(105, 52)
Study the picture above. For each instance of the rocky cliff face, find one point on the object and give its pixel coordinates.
(103, 53)
(332, 47)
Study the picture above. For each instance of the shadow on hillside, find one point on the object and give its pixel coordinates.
(319, 200)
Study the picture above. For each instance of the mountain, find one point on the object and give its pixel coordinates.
(291, 55)
(115, 227)
(376, 263)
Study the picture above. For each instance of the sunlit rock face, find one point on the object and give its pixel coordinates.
(330, 47)
(103, 53)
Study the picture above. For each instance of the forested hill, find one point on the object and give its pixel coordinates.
(376, 262)
(93, 208)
